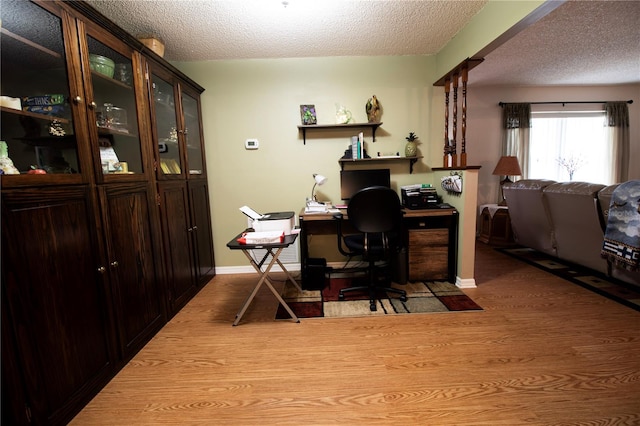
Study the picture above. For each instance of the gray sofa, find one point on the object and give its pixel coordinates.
(530, 219)
(564, 219)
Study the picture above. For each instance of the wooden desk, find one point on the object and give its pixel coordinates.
(430, 237)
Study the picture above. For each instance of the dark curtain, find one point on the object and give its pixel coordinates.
(516, 122)
(617, 114)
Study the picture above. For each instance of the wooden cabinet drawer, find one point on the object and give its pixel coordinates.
(428, 254)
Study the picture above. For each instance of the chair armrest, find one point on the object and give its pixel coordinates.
(338, 217)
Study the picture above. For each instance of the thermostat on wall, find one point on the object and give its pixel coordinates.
(251, 144)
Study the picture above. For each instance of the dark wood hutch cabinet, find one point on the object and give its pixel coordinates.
(182, 185)
(99, 252)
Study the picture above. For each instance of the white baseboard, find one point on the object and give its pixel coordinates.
(223, 270)
(294, 267)
(291, 267)
(465, 283)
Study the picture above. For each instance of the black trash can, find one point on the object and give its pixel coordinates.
(314, 274)
(399, 267)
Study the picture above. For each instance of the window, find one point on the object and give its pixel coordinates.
(566, 146)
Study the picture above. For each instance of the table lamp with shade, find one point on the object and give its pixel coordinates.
(507, 166)
(319, 180)
(313, 206)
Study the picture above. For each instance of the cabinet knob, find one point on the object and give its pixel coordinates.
(114, 264)
(195, 228)
(77, 100)
(92, 105)
(102, 269)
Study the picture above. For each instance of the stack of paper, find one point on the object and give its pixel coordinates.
(266, 237)
(315, 207)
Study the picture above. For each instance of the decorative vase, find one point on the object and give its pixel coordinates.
(410, 149)
(343, 115)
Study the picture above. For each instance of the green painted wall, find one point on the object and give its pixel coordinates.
(261, 98)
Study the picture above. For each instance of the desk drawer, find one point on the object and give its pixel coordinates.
(428, 254)
(328, 226)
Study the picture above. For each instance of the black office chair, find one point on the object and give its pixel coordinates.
(376, 214)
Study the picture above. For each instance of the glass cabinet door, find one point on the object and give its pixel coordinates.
(166, 126)
(37, 126)
(192, 133)
(115, 109)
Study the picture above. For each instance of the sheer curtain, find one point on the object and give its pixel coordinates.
(570, 146)
(618, 126)
(516, 122)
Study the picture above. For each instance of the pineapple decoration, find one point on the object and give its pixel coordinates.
(411, 148)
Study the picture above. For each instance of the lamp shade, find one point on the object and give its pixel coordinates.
(319, 179)
(508, 166)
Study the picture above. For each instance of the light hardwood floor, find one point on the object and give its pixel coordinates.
(542, 352)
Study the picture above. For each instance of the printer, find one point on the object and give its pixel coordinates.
(419, 196)
(276, 221)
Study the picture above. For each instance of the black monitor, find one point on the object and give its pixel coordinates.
(352, 181)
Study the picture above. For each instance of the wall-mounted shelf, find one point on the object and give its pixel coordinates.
(410, 160)
(372, 126)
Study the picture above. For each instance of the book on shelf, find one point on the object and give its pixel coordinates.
(354, 147)
(169, 166)
(357, 147)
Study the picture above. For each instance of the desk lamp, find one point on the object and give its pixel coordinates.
(507, 166)
(319, 180)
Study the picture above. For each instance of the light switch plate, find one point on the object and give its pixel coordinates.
(251, 144)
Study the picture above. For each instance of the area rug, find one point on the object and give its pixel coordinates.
(422, 297)
(621, 292)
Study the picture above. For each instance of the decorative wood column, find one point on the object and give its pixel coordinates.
(453, 147)
(450, 151)
(445, 157)
(463, 154)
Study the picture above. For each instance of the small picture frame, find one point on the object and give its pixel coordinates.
(308, 114)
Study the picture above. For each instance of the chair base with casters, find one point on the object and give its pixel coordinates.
(374, 288)
(376, 214)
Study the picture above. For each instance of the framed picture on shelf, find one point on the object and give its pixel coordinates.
(308, 114)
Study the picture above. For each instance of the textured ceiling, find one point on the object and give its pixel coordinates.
(579, 43)
(195, 30)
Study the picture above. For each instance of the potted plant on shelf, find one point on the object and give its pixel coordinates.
(411, 148)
